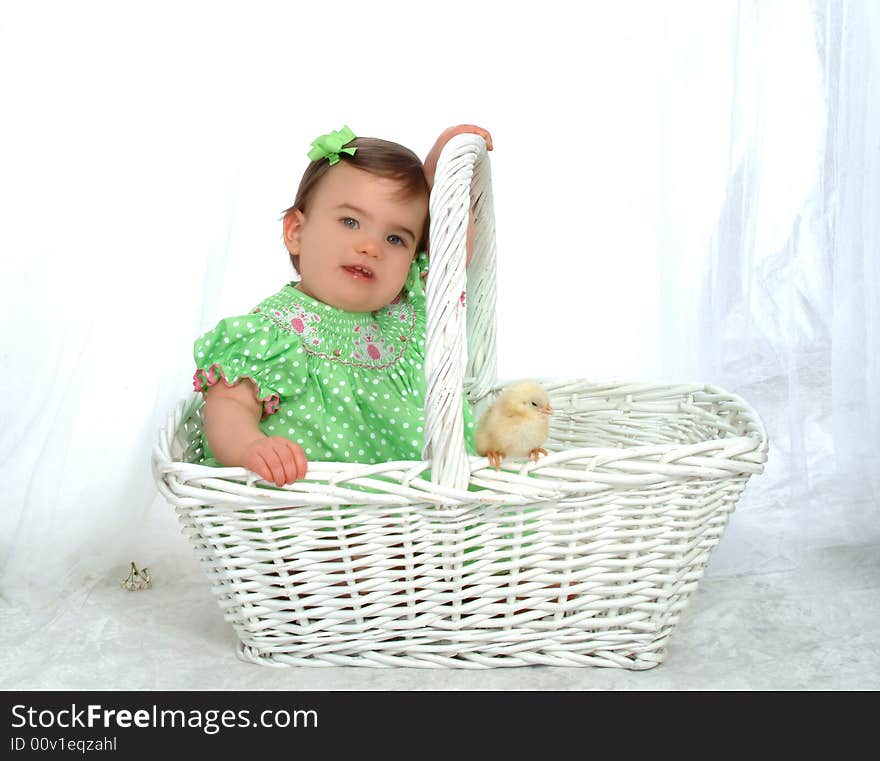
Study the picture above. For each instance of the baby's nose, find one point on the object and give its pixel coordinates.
(370, 246)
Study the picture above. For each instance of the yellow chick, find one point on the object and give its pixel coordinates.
(516, 424)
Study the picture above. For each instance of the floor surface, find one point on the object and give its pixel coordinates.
(816, 627)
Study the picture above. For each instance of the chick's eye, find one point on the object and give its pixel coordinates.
(534, 404)
(349, 222)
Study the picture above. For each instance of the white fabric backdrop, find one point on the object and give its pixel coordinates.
(684, 192)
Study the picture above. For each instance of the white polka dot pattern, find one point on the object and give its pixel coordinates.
(345, 386)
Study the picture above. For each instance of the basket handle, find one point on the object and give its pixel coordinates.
(460, 304)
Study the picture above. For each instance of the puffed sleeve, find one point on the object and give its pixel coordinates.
(414, 288)
(247, 346)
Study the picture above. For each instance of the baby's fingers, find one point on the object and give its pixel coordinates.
(259, 466)
(299, 459)
(285, 453)
(483, 133)
(274, 467)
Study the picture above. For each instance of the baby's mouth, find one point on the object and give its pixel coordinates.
(358, 272)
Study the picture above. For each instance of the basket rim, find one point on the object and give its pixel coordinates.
(562, 473)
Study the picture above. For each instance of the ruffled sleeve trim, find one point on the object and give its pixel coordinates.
(203, 379)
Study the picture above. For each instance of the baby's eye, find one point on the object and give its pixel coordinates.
(396, 240)
(354, 223)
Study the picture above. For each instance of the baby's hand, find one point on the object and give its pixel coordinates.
(464, 129)
(445, 136)
(276, 459)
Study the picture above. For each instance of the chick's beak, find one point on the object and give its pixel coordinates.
(548, 410)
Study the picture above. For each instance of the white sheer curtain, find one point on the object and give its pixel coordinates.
(684, 192)
(790, 280)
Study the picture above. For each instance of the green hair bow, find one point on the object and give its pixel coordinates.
(330, 146)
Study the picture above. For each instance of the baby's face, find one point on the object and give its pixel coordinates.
(355, 220)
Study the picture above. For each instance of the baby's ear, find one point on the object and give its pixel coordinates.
(293, 222)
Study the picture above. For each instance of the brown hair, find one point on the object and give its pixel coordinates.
(378, 157)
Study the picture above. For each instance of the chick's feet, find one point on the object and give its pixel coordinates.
(536, 453)
(495, 458)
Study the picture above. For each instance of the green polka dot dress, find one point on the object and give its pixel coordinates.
(345, 386)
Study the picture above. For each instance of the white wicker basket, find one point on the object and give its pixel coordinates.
(584, 558)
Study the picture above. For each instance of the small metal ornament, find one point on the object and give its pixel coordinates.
(137, 580)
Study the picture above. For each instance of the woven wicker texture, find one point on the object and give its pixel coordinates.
(586, 557)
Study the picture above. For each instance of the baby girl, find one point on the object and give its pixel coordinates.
(332, 367)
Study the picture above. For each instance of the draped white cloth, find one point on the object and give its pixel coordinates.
(683, 192)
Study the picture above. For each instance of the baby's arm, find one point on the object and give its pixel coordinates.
(232, 417)
(430, 168)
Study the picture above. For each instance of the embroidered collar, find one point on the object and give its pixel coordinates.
(373, 340)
